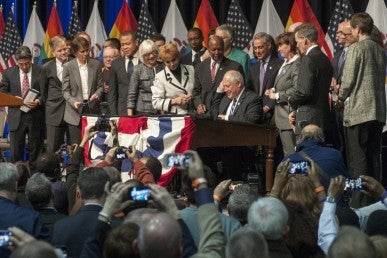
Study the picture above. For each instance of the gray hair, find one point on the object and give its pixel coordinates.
(54, 41)
(228, 28)
(23, 52)
(263, 35)
(247, 243)
(308, 31)
(146, 47)
(312, 132)
(234, 76)
(8, 177)
(268, 216)
(240, 201)
(38, 190)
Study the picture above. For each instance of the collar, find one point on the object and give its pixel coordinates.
(309, 143)
(310, 48)
(240, 94)
(59, 63)
(22, 73)
(81, 65)
(201, 50)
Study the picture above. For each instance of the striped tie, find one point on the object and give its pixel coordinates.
(233, 107)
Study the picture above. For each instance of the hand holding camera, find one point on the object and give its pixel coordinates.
(336, 187)
(116, 199)
(163, 200)
(371, 187)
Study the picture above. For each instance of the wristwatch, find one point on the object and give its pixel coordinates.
(331, 199)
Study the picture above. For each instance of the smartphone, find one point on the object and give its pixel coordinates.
(5, 238)
(353, 184)
(299, 168)
(121, 152)
(139, 194)
(177, 160)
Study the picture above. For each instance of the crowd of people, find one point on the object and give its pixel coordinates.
(329, 117)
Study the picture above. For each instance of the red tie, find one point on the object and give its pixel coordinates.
(213, 71)
(25, 85)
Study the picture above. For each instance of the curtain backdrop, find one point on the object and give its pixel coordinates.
(158, 9)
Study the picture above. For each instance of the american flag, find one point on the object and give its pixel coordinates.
(10, 40)
(342, 12)
(146, 29)
(75, 23)
(242, 29)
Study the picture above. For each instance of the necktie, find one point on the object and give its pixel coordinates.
(340, 64)
(25, 85)
(261, 77)
(196, 59)
(129, 68)
(233, 107)
(213, 71)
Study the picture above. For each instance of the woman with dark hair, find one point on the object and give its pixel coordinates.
(285, 82)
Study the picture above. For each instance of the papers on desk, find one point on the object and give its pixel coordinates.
(31, 95)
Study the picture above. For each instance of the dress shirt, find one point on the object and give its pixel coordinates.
(84, 75)
(327, 228)
(194, 53)
(230, 105)
(21, 75)
(59, 69)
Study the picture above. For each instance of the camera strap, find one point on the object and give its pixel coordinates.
(318, 169)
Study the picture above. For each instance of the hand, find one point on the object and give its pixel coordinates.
(19, 237)
(312, 173)
(105, 88)
(110, 157)
(223, 188)
(281, 177)
(94, 97)
(115, 198)
(130, 111)
(336, 187)
(163, 200)
(222, 117)
(77, 104)
(132, 156)
(266, 109)
(87, 135)
(333, 83)
(220, 88)
(371, 187)
(178, 101)
(270, 93)
(201, 109)
(33, 104)
(195, 167)
(292, 118)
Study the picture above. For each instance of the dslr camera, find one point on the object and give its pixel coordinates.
(102, 124)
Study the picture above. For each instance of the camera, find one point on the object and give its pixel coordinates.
(139, 194)
(64, 154)
(102, 124)
(121, 152)
(353, 184)
(177, 160)
(299, 168)
(5, 238)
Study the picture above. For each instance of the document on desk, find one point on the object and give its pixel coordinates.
(31, 95)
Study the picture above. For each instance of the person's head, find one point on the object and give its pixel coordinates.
(227, 34)
(216, 48)
(159, 40)
(38, 191)
(361, 24)
(109, 54)
(24, 173)
(312, 132)
(8, 180)
(83, 34)
(377, 36)
(154, 166)
(345, 32)
(34, 249)
(49, 164)
(293, 26)
(91, 183)
(351, 242)
(119, 242)
(160, 237)
(286, 44)
(268, 216)
(262, 45)
(170, 56)
(148, 53)
(195, 39)
(69, 45)
(81, 49)
(129, 43)
(247, 243)
(114, 175)
(140, 216)
(113, 43)
(24, 58)
(377, 223)
(59, 48)
(240, 201)
(233, 83)
(306, 36)
(347, 216)
(380, 243)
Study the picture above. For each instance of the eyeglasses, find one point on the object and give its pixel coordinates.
(342, 33)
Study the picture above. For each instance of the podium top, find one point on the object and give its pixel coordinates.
(10, 100)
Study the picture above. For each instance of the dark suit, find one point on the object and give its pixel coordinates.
(187, 57)
(272, 68)
(48, 216)
(21, 123)
(311, 94)
(204, 89)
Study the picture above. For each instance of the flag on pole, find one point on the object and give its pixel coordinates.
(75, 22)
(54, 28)
(378, 11)
(241, 26)
(34, 34)
(342, 12)
(302, 12)
(206, 20)
(125, 21)
(174, 29)
(2, 23)
(96, 31)
(146, 28)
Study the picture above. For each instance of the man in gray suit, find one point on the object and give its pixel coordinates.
(82, 87)
(363, 92)
(51, 84)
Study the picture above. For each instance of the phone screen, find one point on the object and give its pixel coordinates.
(178, 160)
(299, 168)
(353, 184)
(139, 194)
(5, 236)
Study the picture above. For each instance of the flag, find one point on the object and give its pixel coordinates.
(151, 136)
(96, 31)
(174, 29)
(268, 21)
(2, 23)
(54, 28)
(342, 12)
(302, 12)
(146, 28)
(75, 23)
(241, 26)
(125, 21)
(34, 35)
(378, 10)
(206, 20)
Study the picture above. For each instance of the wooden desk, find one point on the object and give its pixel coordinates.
(220, 133)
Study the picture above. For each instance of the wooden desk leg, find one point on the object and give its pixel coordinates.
(269, 169)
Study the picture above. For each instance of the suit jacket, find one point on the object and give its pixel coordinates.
(285, 83)
(187, 57)
(272, 68)
(248, 109)
(11, 84)
(204, 89)
(48, 217)
(118, 87)
(166, 87)
(72, 87)
(311, 94)
(362, 87)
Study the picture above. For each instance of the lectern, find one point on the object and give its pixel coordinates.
(10, 100)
